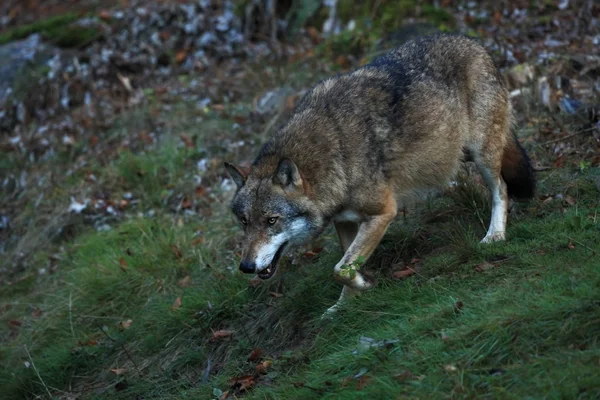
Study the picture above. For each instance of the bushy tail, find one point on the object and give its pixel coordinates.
(517, 171)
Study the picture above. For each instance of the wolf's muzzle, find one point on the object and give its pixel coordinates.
(248, 267)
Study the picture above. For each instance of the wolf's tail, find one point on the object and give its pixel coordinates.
(517, 171)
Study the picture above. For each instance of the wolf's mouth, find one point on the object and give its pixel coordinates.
(272, 268)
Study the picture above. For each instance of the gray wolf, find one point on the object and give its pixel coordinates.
(357, 145)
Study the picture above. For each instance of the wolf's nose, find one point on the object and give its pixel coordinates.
(248, 267)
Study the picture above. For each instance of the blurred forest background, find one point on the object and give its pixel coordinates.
(118, 255)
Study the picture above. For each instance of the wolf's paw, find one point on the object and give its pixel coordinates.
(331, 311)
(493, 237)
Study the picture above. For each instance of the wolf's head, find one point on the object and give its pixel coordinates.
(275, 212)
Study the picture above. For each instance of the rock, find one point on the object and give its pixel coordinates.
(520, 75)
(273, 101)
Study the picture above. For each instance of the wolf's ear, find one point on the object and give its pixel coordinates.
(238, 174)
(287, 175)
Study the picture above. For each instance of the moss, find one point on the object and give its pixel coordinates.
(439, 16)
(43, 26)
(72, 36)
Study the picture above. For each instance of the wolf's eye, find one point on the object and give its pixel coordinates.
(244, 221)
(272, 220)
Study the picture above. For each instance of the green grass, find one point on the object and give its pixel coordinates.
(524, 325)
(58, 30)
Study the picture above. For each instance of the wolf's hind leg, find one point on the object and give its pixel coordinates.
(490, 171)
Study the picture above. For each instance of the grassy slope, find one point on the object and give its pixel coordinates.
(529, 322)
(523, 325)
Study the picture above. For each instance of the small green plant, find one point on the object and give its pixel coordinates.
(349, 270)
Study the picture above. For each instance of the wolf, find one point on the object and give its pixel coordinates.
(361, 143)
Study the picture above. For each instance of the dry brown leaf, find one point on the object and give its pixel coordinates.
(184, 282)
(570, 200)
(458, 306)
(263, 366)
(224, 395)
(222, 334)
(15, 323)
(242, 383)
(188, 141)
(198, 240)
(363, 381)
(255, 355)
(255, 282)
(176, 304)
(37, 312)
(118, 371)
(180, 56)
(407, 376)
(176, 251)
(314, 34)
(105, 15)
(484, 266)
(405, 273)
(123, 263)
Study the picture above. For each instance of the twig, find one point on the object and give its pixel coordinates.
(567, 137)
(37, 372)
(122, 348)
(71, 313)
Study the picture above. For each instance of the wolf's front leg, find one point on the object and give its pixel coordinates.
(369, 235)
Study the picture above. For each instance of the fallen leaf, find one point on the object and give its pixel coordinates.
(94, 140)
(123, 263)
(255, 355)
(314, 34)
(484, 266)
(276, 295)
(263, 366)
(176, 304)
(224, 395)
(458, 306)
(407, 376)
(118, 371)
(15, 323)
(188, 141)
(105, 15)
(184, 282)
(198, 240)
(180, 56)
(363, 381)
(405, 273)
(242, 383)
(255, 282)
(200, 190)
(570, 200)
(450, 368)
(125, 324)
(176, 251)
(36, 313)
(222, 334)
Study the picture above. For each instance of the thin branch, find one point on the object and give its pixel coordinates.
(37, 372)
(122, 348)
(71, 313)
(567, 137)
